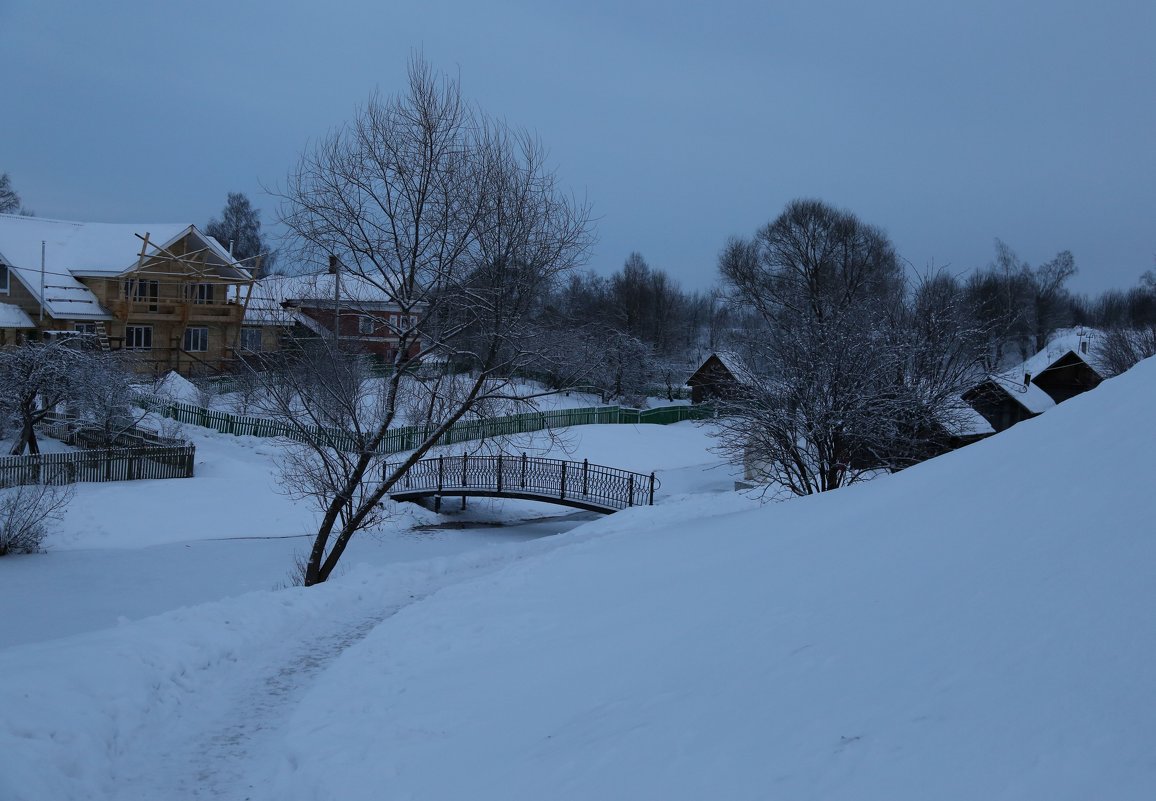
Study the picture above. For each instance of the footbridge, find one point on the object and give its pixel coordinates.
(580, 485)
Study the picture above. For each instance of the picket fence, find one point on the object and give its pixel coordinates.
(409, 437)
(101, 464)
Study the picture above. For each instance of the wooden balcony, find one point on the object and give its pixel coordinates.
(167, 310)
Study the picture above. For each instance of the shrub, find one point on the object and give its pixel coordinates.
(26, 513)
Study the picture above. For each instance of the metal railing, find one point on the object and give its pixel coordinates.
(580, 484)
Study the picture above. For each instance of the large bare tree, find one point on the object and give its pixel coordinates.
(458, 221)
(850, 374)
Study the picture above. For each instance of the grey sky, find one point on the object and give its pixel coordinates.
(946, 123)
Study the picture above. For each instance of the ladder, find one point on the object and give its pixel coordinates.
(102, 336)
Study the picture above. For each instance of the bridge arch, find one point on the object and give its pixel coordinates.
(580, 485)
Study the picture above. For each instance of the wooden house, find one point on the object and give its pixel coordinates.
(361, 315)
(1067, 376)
(168, 293)
(1060, 371)
(717, 377)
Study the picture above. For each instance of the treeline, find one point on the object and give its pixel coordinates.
(630, 332)
(637, 330)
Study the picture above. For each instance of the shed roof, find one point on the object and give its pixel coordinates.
(14, 317)
(961, 420)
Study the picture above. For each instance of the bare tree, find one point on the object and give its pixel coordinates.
(458, 221)
(851, 378)
(103, 395)
(35, 378)
(66, 374)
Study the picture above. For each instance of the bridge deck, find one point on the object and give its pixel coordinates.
(580, 485)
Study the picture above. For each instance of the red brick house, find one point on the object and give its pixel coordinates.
(360, 313)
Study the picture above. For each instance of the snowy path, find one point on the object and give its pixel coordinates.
(227, 737)
(235, 736)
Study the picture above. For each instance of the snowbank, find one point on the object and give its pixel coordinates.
(175, 386)
(979, 626)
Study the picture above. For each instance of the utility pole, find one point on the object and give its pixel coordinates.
(42, 247)
(335, 271)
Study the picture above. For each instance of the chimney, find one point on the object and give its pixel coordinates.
(1027, 379)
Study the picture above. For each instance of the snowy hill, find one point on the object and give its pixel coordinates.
(981, 626)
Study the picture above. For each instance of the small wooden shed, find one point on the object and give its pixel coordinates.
(717, 377)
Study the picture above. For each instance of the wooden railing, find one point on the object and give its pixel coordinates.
(580, 484)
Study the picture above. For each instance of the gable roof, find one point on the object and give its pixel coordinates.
(320, 287)
(1072, 341)
(73, 249)
(1011, 382)
(730, 362)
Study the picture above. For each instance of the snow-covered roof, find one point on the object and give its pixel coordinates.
(73, 249)
(733, 364)
(14, 317)
(320, 287)
(1077, 341)
(1073, 340)
(1028, 395)
(964, 421)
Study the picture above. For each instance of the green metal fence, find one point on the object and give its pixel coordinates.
(409, 437)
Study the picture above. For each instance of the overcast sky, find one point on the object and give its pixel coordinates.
(948, 124)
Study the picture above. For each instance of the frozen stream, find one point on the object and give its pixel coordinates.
(67, 592)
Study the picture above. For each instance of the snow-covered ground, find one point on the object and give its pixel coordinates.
(979, 626)
(126, 550)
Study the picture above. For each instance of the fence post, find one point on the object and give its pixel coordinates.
(585, 477)
(441, 474)
(630, 485)
(563, 493)
(464, 481)
(499, 472)
(523, 469)
(651, 489)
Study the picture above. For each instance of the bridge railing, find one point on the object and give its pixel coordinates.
(528, 475)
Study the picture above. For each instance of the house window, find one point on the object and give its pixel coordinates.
(200, 293)
(251, 339)
(197, 339)
(364, 325)
(4, 279)
(142, 291)
(88, 329)
(138, 337)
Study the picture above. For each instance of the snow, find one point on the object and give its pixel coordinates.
(175, 386)
(952, 632)
(84, 248)
(979, 626)
(1030, 396)
(14, 317)
(275, 290)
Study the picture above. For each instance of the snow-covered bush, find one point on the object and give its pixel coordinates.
(26, 513)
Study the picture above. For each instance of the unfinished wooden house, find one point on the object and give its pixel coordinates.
(168, 293)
